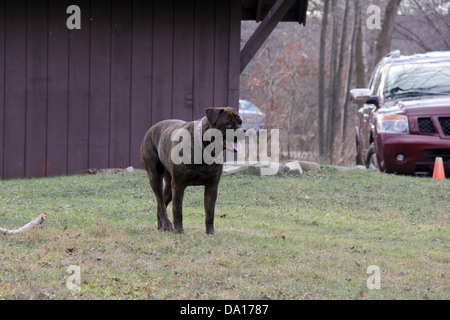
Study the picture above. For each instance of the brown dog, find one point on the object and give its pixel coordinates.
(159, 159)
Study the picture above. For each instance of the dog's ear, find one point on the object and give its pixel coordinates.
(213, 114)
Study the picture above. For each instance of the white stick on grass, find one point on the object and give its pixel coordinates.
(33, 223)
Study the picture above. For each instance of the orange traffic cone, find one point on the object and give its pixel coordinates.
(438, 169)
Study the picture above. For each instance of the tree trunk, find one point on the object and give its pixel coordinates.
(359, 57)
(351, 64)
(332, 86)
(336, 111)
(385, 35)
(321, 101)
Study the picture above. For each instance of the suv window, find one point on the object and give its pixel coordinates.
(418, 79)
(375, 80)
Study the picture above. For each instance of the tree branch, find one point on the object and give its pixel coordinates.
(33, 223)
(408, 35)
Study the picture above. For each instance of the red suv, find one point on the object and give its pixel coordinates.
(404, 123)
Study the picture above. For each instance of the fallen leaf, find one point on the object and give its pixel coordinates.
(71, 250)
(264, 296)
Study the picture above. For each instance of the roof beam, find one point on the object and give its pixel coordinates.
(258, 11)
(270, 21)
(302, 10)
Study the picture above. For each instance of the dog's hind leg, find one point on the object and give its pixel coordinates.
(167, 188)
(155, 175)
(177, 206)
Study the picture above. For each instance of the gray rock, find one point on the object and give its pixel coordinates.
(264, 170)
(294, 166)
(309, 166)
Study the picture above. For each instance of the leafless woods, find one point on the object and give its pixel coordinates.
(302, 75)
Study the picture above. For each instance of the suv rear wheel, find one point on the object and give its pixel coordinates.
(371, 162)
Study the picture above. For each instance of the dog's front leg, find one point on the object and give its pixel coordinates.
(210, 203)
(177, 206)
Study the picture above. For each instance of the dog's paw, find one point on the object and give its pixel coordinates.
(166, 226)
(178, 231)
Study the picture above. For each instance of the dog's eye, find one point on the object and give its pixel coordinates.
(230, 124)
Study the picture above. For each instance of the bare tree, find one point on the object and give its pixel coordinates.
(321, 103)
(336, 112)
(333, 59)
(385, 35)
(336, 66)
(296, 89)
(433, 17)
(350, 68)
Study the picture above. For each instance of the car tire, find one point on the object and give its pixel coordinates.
(372, 162)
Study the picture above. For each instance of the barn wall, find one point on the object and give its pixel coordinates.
(77, 99)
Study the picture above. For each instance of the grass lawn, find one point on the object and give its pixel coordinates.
(279, 237)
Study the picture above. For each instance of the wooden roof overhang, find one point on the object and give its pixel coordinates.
(269, 13)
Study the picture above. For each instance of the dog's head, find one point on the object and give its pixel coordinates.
(224, 119)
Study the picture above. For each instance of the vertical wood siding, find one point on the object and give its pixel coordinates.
(57, 90)
(15, 82)
(77, 99)
(2, 84)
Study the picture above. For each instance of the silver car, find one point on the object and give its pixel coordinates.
(252, 117)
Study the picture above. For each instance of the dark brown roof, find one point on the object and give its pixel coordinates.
(257, 10)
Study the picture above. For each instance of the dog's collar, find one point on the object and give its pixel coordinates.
(199, 133)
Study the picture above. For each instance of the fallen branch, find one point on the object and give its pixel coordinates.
(33, 223)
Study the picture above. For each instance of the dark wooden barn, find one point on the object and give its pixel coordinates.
(73, 99)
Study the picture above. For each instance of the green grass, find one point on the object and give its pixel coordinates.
(280, 237)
